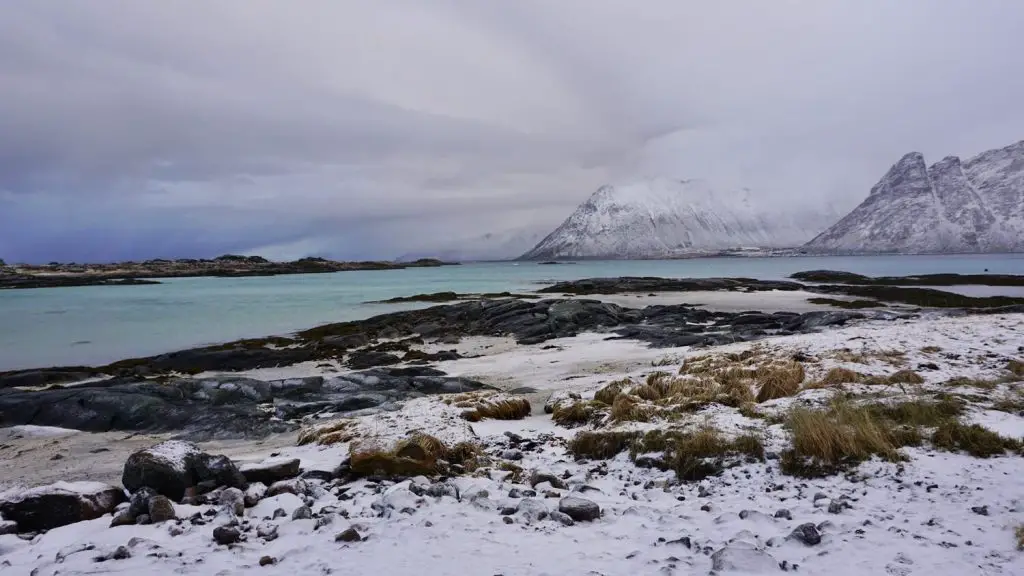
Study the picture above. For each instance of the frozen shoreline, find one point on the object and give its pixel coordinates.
(907, 525)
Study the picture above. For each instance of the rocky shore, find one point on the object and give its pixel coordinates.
(527, 430)
(135, 273)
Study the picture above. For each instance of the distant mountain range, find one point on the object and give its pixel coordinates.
(664, 218)
(949, 207)
(504, 245)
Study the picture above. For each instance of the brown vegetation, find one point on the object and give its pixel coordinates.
(419, 454)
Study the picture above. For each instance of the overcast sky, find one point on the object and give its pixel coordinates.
(370, 128)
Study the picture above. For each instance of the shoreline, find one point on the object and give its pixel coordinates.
(750, 515)
(58, 275)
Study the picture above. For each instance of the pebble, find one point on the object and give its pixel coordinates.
(225, 535)
(349, 535)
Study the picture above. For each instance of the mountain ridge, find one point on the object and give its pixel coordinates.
(951, 206)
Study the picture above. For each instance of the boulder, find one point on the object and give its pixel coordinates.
(271, 470)
(59, 504)
(172, 467)
(161, 509)
(579, 509)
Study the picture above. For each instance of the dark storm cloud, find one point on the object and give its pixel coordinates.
(136, 128)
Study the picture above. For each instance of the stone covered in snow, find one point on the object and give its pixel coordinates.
(172, 467)
(59, 504)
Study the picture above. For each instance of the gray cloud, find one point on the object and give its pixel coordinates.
(369, 128)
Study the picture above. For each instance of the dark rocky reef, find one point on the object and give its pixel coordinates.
(438, 297)
(132, 273)
(839, 277)
(653, 284)
(924, 297)
(221, 407)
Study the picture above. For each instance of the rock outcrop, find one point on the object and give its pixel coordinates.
(59, 504)
(949, 207)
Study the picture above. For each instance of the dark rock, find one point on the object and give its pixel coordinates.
(122, 518)
(225, 535)
(59, 504)
(272, 470)
(532, 510)
(981, 510)
(267, 531)
(652, 284)
(138, 504)
(579, 509)
(171, 467)
(267, 561)
(539, 477)
(784, 514)
(349, 535)
(120, 553)
(302, 513)
(806, 533)
(369, 359)
(161, 509)
(143, 519)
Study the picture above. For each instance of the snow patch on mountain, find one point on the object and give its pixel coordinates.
(951, 206)
(664, 218)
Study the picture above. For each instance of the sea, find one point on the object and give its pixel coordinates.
(101, 324)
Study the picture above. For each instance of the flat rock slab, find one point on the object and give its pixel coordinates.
(59, 504)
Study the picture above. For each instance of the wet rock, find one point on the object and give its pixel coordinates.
(579, 509)
(271, 470)
(225, 535)
(171, 467)
(349, 535)
(59, 504)
(161, 509)
(806, 533)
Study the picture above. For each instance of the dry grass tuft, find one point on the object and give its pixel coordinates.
(931, 350)
(827, 441)
(974, 439)
(336, 432)
(517, 473)
(837, 376)
(779, 380)
(1019, 535)
(419, 454)
(905, 377)
(503, 409)
(601, 445)
(578, 413)
(630, 408)
(607, 394)
(1016, 367)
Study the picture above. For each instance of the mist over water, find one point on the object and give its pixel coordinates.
(97, 325)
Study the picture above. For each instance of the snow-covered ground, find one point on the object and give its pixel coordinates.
(937, 513)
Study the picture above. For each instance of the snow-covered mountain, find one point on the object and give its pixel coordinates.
(664, 218)
(952, 206)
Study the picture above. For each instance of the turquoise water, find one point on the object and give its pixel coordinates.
(96, 325)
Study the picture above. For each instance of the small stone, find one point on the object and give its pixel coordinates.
(302, 513)
(981, 510)
(279, 513)
(122, 518)
(161, 509)
(703, 492)
(579, 509)
(513, 438)
(225, 535)
(233, 499)
(328, 520)
(514, 455)
(507, 520)
(820, 496)
(515, 493)
(143, 520)
(684, 541)
(121, 553)
(706, 508)
(254, 493)
(835, 507)
(562, 518)
(350, 535)
(138, 504)
(268, 561)
(539, 477)
(267, 531)
(784, 514)
(806, 533)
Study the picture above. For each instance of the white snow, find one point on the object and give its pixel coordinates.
(910, 518)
